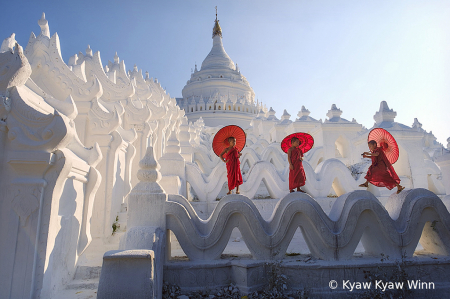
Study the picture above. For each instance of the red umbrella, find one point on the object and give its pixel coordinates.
(387, 142)
(306, 142)
(220, 141)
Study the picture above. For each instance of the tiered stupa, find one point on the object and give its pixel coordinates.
(218, 92)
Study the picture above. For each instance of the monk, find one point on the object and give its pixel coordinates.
(232, 156)
(380, 173)
(297, 177)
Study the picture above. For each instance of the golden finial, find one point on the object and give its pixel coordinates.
(217, 30)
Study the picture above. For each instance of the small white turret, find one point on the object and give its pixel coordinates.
(43, 23)
(89, 51)
(286, 115)
(417, 125)
(384, 114)
(272, 115)
(334, 113)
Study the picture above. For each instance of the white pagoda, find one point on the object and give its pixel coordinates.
(218, 92)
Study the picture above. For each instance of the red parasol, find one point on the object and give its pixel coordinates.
(306, 142)
(220, 141)
(387, 142)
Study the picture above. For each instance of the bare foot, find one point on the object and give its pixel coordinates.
(364, 185)
(229, 192)
(237, 192)
(291, 191)
(300, 190)
(399, 189)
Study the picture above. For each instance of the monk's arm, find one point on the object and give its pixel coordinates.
(368, 154)
(223, 153)
(376, 154)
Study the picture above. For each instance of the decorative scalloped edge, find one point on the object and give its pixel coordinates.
(356, 216)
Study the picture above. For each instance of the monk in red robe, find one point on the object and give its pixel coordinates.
(297, 177)
(380, 173)
(234, 175)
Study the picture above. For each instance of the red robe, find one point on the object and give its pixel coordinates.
(381, 173)
(297, 177)
(233, 168)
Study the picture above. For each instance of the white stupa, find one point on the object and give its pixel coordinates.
(218, 92)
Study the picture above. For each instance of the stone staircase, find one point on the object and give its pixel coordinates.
(85, 278)
(84, 285)
(85, 282)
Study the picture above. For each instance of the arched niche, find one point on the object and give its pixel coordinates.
(342, 147)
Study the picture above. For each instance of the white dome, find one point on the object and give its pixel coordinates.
(217, 57)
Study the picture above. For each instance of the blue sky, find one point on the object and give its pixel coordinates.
(354, 54)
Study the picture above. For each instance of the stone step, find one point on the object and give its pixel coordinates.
(83, 284)
(87, 272)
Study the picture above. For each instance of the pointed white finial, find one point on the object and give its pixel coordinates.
(89, 51)
(149, 172)
(334, 112)
(147, 76)
(303, 112)
(416, 125)
(73, 60)
(271, 114)
(184, 132)
(116, 58)
(43, 23)
(384, 114)
(173, 144)
(285, 115)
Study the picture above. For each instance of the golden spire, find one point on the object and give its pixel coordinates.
(217, 30)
